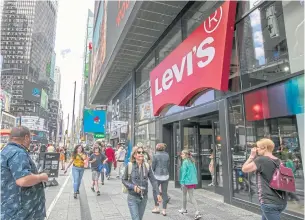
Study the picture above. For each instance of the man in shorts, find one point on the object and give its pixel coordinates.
(96, 159)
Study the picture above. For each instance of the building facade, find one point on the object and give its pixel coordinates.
(211, 77)
(27, 45)
(83, 103)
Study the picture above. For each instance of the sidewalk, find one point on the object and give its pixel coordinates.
(112, 204)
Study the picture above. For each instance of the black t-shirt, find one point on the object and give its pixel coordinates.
(264, 173)
(99, 160)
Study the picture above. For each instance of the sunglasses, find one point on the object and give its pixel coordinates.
(140, 152)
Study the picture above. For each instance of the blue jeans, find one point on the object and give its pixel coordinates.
(136, 206)
(272, 211)
(77, 174)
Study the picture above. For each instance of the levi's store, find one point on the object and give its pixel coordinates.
(221, 77)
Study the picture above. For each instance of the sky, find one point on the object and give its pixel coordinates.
(70, 36)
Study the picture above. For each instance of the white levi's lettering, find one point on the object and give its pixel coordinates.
(157, 89)
(178, 74)
(167, 79)
(207, 52)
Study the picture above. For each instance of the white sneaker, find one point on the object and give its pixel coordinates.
(211, 184)
(197, 215)
(182, 211)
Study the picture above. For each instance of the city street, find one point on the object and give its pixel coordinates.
(112, 204)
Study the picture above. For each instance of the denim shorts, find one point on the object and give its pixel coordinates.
(95, 175)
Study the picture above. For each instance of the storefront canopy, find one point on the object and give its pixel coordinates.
(146, 23)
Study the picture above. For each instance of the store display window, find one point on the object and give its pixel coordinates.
(275, 112)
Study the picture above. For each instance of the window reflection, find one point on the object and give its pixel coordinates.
(263, 45)
(284, 133)
(146, 134)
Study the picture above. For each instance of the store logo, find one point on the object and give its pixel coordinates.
(200, 62)
(213, 21)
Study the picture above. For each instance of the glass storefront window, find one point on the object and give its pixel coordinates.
(262, 45)
(200, 11)
(170, 42)
(143, 107)
(245, 129)
(146, 134)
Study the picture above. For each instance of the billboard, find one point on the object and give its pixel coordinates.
(5, 100)
(44, 99)
(111, 20)
(31, 91)
(94, 121)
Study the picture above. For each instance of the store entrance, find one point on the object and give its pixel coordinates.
(201, 136)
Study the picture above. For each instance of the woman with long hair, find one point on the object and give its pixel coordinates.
(78, 160)
(160, 166)
(264, 163)
(136, 181)
(188, 181)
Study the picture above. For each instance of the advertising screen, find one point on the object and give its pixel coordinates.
(31, 91)
(44, 99)
(94, 121)
(110, 22)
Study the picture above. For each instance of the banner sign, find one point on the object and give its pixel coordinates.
(200, 62)
(94, 121)
(51, 164)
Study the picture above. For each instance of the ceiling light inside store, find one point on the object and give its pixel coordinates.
(286, 68)
(188, 119)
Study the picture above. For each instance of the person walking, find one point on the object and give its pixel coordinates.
(96, 160)
(78, 161)
(160, 166)
(136, 181)
(110, 154)
(188, 181)
(62, 158)
(22, 190)
(120, 158)
(264, 163)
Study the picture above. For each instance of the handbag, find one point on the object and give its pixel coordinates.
(282, 178)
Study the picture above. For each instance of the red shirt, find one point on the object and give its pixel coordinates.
(110, 154)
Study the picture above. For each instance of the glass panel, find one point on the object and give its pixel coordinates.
(170, 42)
(143, 107)
(218, 181)
(283, 131)
(146, 134)
(238, 147)
(262, 45)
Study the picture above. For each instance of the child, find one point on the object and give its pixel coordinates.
(96, 159)
(188, 181)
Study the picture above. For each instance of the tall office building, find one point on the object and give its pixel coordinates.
(57, 83)
(28, 30)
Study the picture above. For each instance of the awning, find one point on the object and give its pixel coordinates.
(147, 22)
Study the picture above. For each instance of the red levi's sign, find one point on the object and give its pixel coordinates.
(200, 62)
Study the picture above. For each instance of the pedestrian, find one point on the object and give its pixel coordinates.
(62, 158)
(136, 181)
(188, 182)
(264, 163)
(211, 167)
(96, 160)
(120, 158)
(22, 190)
(78, 161)
(160, 166)
(110, 154)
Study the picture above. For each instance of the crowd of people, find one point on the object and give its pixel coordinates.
(21, 180)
